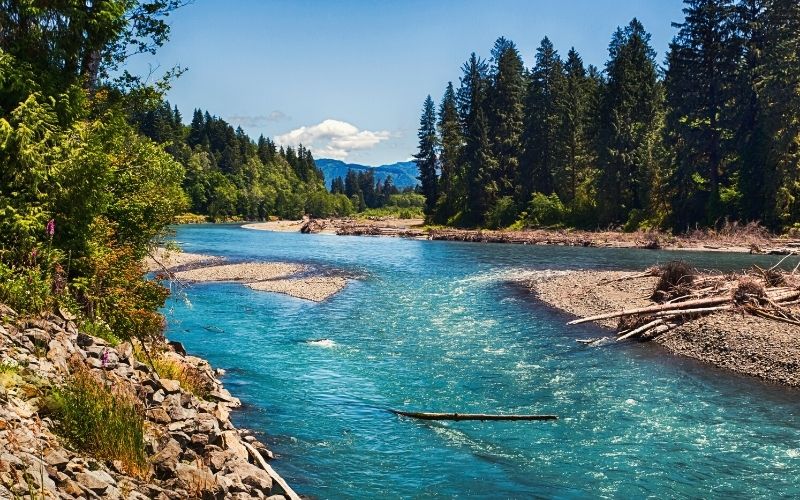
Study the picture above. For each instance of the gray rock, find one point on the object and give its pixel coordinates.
(157, 397)
(95, 480)
(167, 458)
(170, 386)
(56, 458)
(38, 336)
(195, 479)
(84, 340)
(158, 415)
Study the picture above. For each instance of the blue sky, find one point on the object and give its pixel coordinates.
(348, 77)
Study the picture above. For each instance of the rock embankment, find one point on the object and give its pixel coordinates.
(193, 450)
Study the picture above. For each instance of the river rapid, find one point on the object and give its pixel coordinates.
(442, 326)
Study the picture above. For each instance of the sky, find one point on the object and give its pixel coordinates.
(347, 78)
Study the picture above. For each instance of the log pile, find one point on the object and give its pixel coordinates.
(683, 294)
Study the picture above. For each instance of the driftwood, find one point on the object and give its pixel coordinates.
(470, 416)
(765, 293)
(287, 490)
(652, 309)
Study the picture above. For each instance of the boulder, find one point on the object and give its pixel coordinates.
(95, 480)
(167, 457)
(231, 441)
(170, 386)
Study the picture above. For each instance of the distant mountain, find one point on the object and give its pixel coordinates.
(404, 173)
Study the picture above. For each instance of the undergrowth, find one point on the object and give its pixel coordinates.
(104, 422)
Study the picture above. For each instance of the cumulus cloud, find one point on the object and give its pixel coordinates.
(332, 138)
(258, 120)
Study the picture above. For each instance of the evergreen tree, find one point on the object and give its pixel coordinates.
(426, 159)
(505, 113)
(479, 186)
(574, 109)
(700, 85)
(450, 141)
(544, 155)
(629, 124)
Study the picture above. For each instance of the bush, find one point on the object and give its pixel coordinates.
(190, 378)
(502, 214)
(100, 330)
(26, 289)
(102, 421)
(545, 210)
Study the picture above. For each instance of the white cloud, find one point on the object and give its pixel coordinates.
(258, 120)
(332, 139)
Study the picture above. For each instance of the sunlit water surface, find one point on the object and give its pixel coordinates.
(438, 326)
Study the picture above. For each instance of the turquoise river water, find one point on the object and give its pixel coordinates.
(438, 326)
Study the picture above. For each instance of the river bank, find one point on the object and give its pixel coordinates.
(192, 448)
(732, 238)
(729, 339)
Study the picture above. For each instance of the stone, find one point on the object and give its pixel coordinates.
(56, 458)
(39, 478)
(94, 363)
(167, 457)
(157, 397)
(224, 396)
(221, 412)
(207, 424)
(199, 440)
(276, 497)
(95, 480)
(57, 354)
(170, 386)
(195, 479)
(158, 415)
(84, 340)
(181, 438)
(125, 352)
(72, 488)
(176, 426)
(218, 459)
(38, 336)
(231, 441)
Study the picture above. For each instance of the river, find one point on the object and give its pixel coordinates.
(439, 326)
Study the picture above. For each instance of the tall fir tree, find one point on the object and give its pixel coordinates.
(700, 89)
(506, 113)
(479, 187)
(426, 158)
(543, 157)
(629, 125)
(450, 143)
(574, 108)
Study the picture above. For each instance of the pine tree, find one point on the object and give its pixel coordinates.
(629, 124)
(700, 84)
(477, 162)
(543, 158)
(505, 113)
(574, 108)
(426, 159)
(450, 141)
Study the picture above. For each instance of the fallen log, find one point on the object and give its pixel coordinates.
(640, 329)
(711, 301)
(470, 416)
(287, 490)
(699, 310)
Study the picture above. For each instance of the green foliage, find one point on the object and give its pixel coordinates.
(100, 330)
(102, 421)
(190, 378)
(545, 210)
(502, 214)
(25, 289)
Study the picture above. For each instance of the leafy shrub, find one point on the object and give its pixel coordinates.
(545, 210)
(101, 421)
(406, 200)
(502, 214)
(100, 330)
(25, 289)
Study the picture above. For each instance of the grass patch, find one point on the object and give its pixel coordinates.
(100, 330)
(190, 378)
(104, 422)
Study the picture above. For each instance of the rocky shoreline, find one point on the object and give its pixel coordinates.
(740, 239)
(193, 449)
(728, 339)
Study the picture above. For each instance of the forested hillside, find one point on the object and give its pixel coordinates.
(230, 176)
(710, 134)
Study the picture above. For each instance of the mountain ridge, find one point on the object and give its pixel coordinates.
(404, 173)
